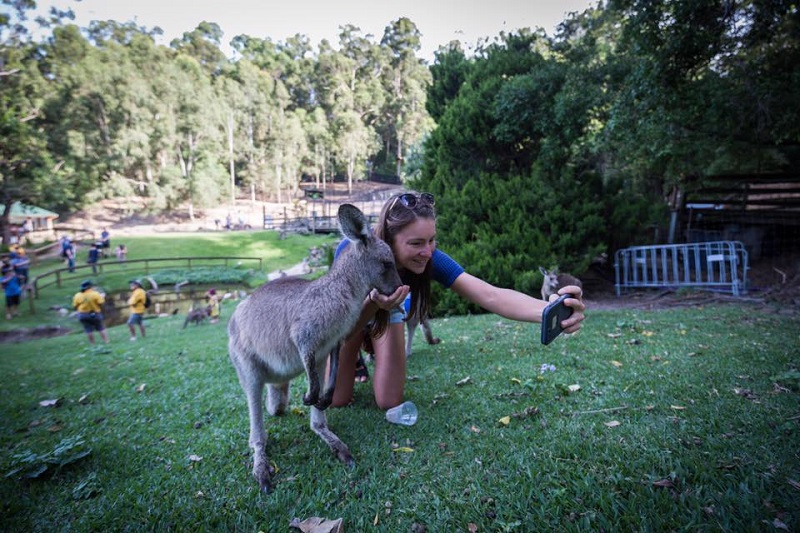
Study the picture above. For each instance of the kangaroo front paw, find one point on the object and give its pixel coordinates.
(311, 398)
(324, 402)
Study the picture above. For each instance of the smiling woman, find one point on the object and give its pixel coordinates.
(408, 224)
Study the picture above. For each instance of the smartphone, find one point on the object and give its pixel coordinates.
(552, 316)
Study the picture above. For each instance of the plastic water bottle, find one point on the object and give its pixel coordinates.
(404, 414)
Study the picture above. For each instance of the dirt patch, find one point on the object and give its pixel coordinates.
(29, 334)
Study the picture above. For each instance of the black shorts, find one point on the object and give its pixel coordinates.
(11, 301)
(91, 321)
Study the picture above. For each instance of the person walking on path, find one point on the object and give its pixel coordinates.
(94, 257)
(89, 305)
(105, 242)
(137, 305)
(12, 289)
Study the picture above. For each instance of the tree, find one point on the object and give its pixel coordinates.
(27, 170)
(406, 79)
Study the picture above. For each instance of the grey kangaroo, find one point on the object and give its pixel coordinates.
(553, 281)
(291, 325)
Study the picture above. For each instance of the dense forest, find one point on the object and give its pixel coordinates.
(540, 149)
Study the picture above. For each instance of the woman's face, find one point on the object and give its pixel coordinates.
(414, 245)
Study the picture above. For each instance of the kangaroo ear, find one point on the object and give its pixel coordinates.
(543, 271)
(353, 223)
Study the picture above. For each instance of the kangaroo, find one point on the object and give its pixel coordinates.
(553, 281)
(197, 316)
(291, 325)
(411, 327)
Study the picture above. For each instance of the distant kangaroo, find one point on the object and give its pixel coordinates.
(411, 326)
(553, 281)
(197, 316)
(291, 325)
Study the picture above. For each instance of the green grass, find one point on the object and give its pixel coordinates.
(275, 254)
(706, 401)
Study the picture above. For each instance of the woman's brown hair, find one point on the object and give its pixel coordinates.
(395, 216)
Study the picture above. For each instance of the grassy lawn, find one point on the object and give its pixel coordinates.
(275, 254)
(678, 420)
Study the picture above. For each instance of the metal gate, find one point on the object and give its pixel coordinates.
(717, 265)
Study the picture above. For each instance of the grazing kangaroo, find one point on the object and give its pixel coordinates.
(411, 326)
(197, 316)
(553, 281)
(290, 325)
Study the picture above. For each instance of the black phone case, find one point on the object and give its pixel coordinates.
(552, 316)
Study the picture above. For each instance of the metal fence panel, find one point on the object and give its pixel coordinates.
(714, 265)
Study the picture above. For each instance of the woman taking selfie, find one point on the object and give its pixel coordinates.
(407, 223)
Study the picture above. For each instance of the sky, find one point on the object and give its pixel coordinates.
(439, 21)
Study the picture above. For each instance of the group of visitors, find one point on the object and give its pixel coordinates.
(88, 302)
(97, 250)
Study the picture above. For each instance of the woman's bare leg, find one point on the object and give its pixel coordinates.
(389, 379)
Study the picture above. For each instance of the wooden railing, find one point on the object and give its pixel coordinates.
(59, 276)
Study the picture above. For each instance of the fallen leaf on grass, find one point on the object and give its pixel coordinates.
(52, 403)
(614, 335)
(195, 458)
(297, 411)
(55, 428)
(677, 407)
(574, 388)
(506, 420)
(472, 527)
(665, 483)
(747, 394)
(516, 380)
(316, 524)
(463, 381)
(778, 524)
(529, 411)
(616, 364)
(613, 423)
(404, 449)
(475, 429)
(141, 387)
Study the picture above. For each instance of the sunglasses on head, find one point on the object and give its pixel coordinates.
(411, 200)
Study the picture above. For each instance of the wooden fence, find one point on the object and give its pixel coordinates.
(63, 275)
